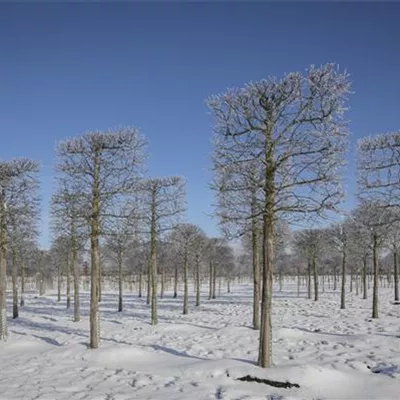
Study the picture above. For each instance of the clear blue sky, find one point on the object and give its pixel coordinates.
(68, 68)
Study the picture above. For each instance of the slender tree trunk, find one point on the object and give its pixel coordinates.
(298, 281)
(357, 282)
(100, 275)
(265, 351)
(256, 272)
(75, 273)
(197, 280)
(395, 276)
(176, 281)
(186, 286)
(95, 259)
(153, 260)
(343, 289)
(68, 268)
(314, 265)
(309, 279)
(41, 274)
(58, 281)
(214, 280)
(14, 276)
(148, 283)
(334, 278)
(211, 280)
(351, 278)
(120, 289)
(140, 280)
(3, 269)
(22, 285)
(162, 281)
(376, 278)
(365, 278)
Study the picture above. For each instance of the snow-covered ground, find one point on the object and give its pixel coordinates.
(330, 353)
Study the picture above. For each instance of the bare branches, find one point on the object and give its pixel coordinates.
(378, 166)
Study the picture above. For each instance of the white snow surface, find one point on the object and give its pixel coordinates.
(330, 353)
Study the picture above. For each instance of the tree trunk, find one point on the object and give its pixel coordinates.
(376, 279)
(140, 280)
(120, 257)
(357, 281)
(153, 261)
(314, 265)
(334, 277)
(100, 285)
(22, 285)
(214, 280)
(75, 273)
(148, 294)
(351, 278)
(14, 275)
(59, 282)
(298, 281)
(395, 276)
(176, 281)
(265, 351)
(95, 258)
(41, 274)
(197, 280)
(162, 281)
(343, 289)
(68, 282)
(211, 280)
(256, 274)
(365, 278)
(3, 270)
(186, 287)
(309, 279)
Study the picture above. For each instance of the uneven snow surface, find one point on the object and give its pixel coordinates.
(330, 353)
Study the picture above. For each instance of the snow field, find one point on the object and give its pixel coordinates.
(330, 353)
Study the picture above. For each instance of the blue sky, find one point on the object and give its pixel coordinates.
(68, 68)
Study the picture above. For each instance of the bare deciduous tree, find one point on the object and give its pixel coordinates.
(190, 240)
(378, 159)
(164, 204)
(104, 165)
(17, 178)
(292, 130)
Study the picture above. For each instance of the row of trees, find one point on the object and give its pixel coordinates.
(279, 157)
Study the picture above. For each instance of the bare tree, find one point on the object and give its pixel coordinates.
(190, 239)
(15, 177)
(375, 220)
(68, 222)
(379, 176)
(394, 239)
(310, 242)
(105, 165)
(164, 204)
(340, 237)
(22, 219)
(121, 230)
(292, 130)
